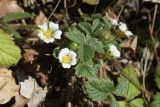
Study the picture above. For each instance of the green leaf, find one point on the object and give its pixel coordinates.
(85, 53)
(156, 100)
(87, 49)
(9, 52)
(114, 102)
(95, 44)
(86, 27)
(95, 25)
(132, 90)
(75, 35)
(122, 104)
(91, 2)
(98, 90)
(96, 16)
(157, 76)
(12, 31)
(125, 88)
(138, 102)
(16, 16)
(122, 87)
(86, 70)
(107, 24)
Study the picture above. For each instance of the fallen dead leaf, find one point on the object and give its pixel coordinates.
(30, 55)
(8, 6)
(30, 89)
(38, 96)
(27, 87)
(20, 101)
(130, 43)
(41, 18)
(8, 87)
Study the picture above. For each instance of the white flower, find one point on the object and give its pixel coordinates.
(113, 21)
(67, 58)
(122, 27)
(49, 32)
(128, 33)
(114, 51)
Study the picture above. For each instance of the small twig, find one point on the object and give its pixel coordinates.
(151, 36)
(20, 26)
(154, 18)
(120, 12)
(66, 10)
(54, 9)
(145, 70)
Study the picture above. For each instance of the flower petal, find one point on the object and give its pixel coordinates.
(72, 54)
(53, 26)
(57, 34)
(50, 40)
(128, 33)
(115, 52)
(41, 36)
(122, 26)
(43, 27)
(114, 21)
(74, 61)
(66, 65)
(63, 52)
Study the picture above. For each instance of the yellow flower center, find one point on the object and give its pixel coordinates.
(48, 33)
(66, 59)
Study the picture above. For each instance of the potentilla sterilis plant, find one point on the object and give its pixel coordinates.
(67, 58)
(49, 32)
(114, 51)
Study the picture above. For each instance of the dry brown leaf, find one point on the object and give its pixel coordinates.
(42, 78)
(27, 87)
(30, 55)
(8, 6)
(41, 18)
(20, 101)
(130, 43)
(8, 87)
(38, 96)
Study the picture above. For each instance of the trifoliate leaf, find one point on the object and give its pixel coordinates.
(125, 88)
(85, 53)
(86, 27)
(86, 50)
(113, 101)
(75, 35)
(156, 101)
(9, 52)
(85, 70)
(138, 102)
(94, 44)
(98, 90)
(91, 2)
